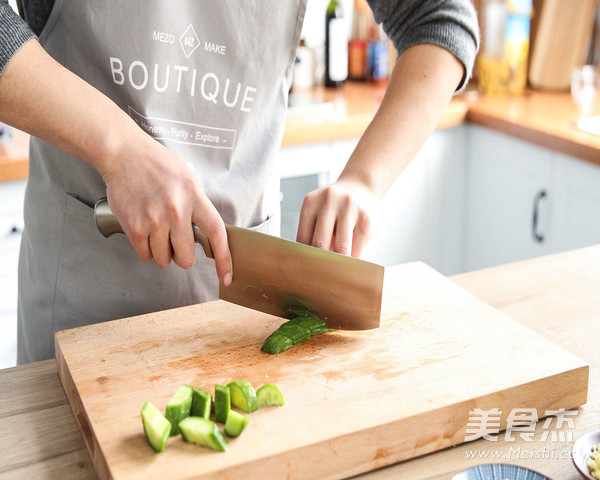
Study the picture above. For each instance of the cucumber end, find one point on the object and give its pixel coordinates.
(156, 427)
(243, 396)
(277, 342)
(203, 432)
(269, 395)
(235, 424)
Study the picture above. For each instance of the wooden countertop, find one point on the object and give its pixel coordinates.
(321, 115)
(544, 118)
(558, 296)
(13, 157)
(326, 114)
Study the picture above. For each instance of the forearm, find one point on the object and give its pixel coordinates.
(41, 97)
(153, 193)
(421, 85)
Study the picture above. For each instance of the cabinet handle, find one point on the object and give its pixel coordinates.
(537, 236)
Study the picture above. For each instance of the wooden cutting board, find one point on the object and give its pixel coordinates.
(355, 401)
(562, 39)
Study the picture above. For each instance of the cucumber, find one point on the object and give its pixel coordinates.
(235, 424)
(156, 427)
(190, 410)
(277, 342)
(316, 325)
(222, 403)
(179, 407)
(202, 432)
(269, 395)
(297, 332)
(243, 396)
(201, 403)
(294, 331)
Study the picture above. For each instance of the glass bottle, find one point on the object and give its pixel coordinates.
(336, 45)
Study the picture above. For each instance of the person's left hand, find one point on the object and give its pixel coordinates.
(337, 217)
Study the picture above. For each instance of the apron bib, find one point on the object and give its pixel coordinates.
(210, 80)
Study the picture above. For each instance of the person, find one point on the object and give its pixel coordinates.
(175, 112)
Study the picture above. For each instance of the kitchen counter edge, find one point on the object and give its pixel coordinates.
(326, 115)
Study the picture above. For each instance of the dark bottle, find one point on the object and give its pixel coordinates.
(336, 45)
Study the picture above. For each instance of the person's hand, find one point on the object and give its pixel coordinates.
(156, 198)
(337, 217)
(151, 191)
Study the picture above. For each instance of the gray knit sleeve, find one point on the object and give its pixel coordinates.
(14, 32)
(451, 24)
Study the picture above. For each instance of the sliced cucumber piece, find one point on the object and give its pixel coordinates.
(269, 395)
(201, 403)
(156, 427)
(297, 332)
(277, 342)
(316, 325)
(222, 403)
(235, 423)
(243, 396)
(202, 432)
(179, 407)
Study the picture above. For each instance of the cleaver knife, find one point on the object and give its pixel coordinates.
(286, 278)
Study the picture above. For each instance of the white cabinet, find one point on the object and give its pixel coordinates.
(505, 181)
(421, 216)
(472, 198)
(578, 204)
(303, 169)
(524, 200)
(11, 227)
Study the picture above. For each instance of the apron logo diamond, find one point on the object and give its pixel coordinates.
(189, 41)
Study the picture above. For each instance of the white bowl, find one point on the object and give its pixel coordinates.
(581, 451)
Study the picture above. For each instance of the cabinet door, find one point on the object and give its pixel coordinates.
(446, 192)
(303, 169)
(11, 227)
(508, 182)
(578, 207)
(421, 217)
(403, 229)
(292, 193)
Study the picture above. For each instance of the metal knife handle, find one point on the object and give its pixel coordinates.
(108, 224)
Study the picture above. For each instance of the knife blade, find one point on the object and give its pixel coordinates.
(286, 278)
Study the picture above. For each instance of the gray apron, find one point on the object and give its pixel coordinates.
(210, 80)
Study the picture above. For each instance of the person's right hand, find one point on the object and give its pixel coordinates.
(152, 192)
(156, 198)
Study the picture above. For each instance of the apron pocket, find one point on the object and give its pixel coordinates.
(101, 279)
(271, 226)
(78, 207)
(74, 302)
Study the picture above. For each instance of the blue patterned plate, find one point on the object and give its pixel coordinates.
(499, 471)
